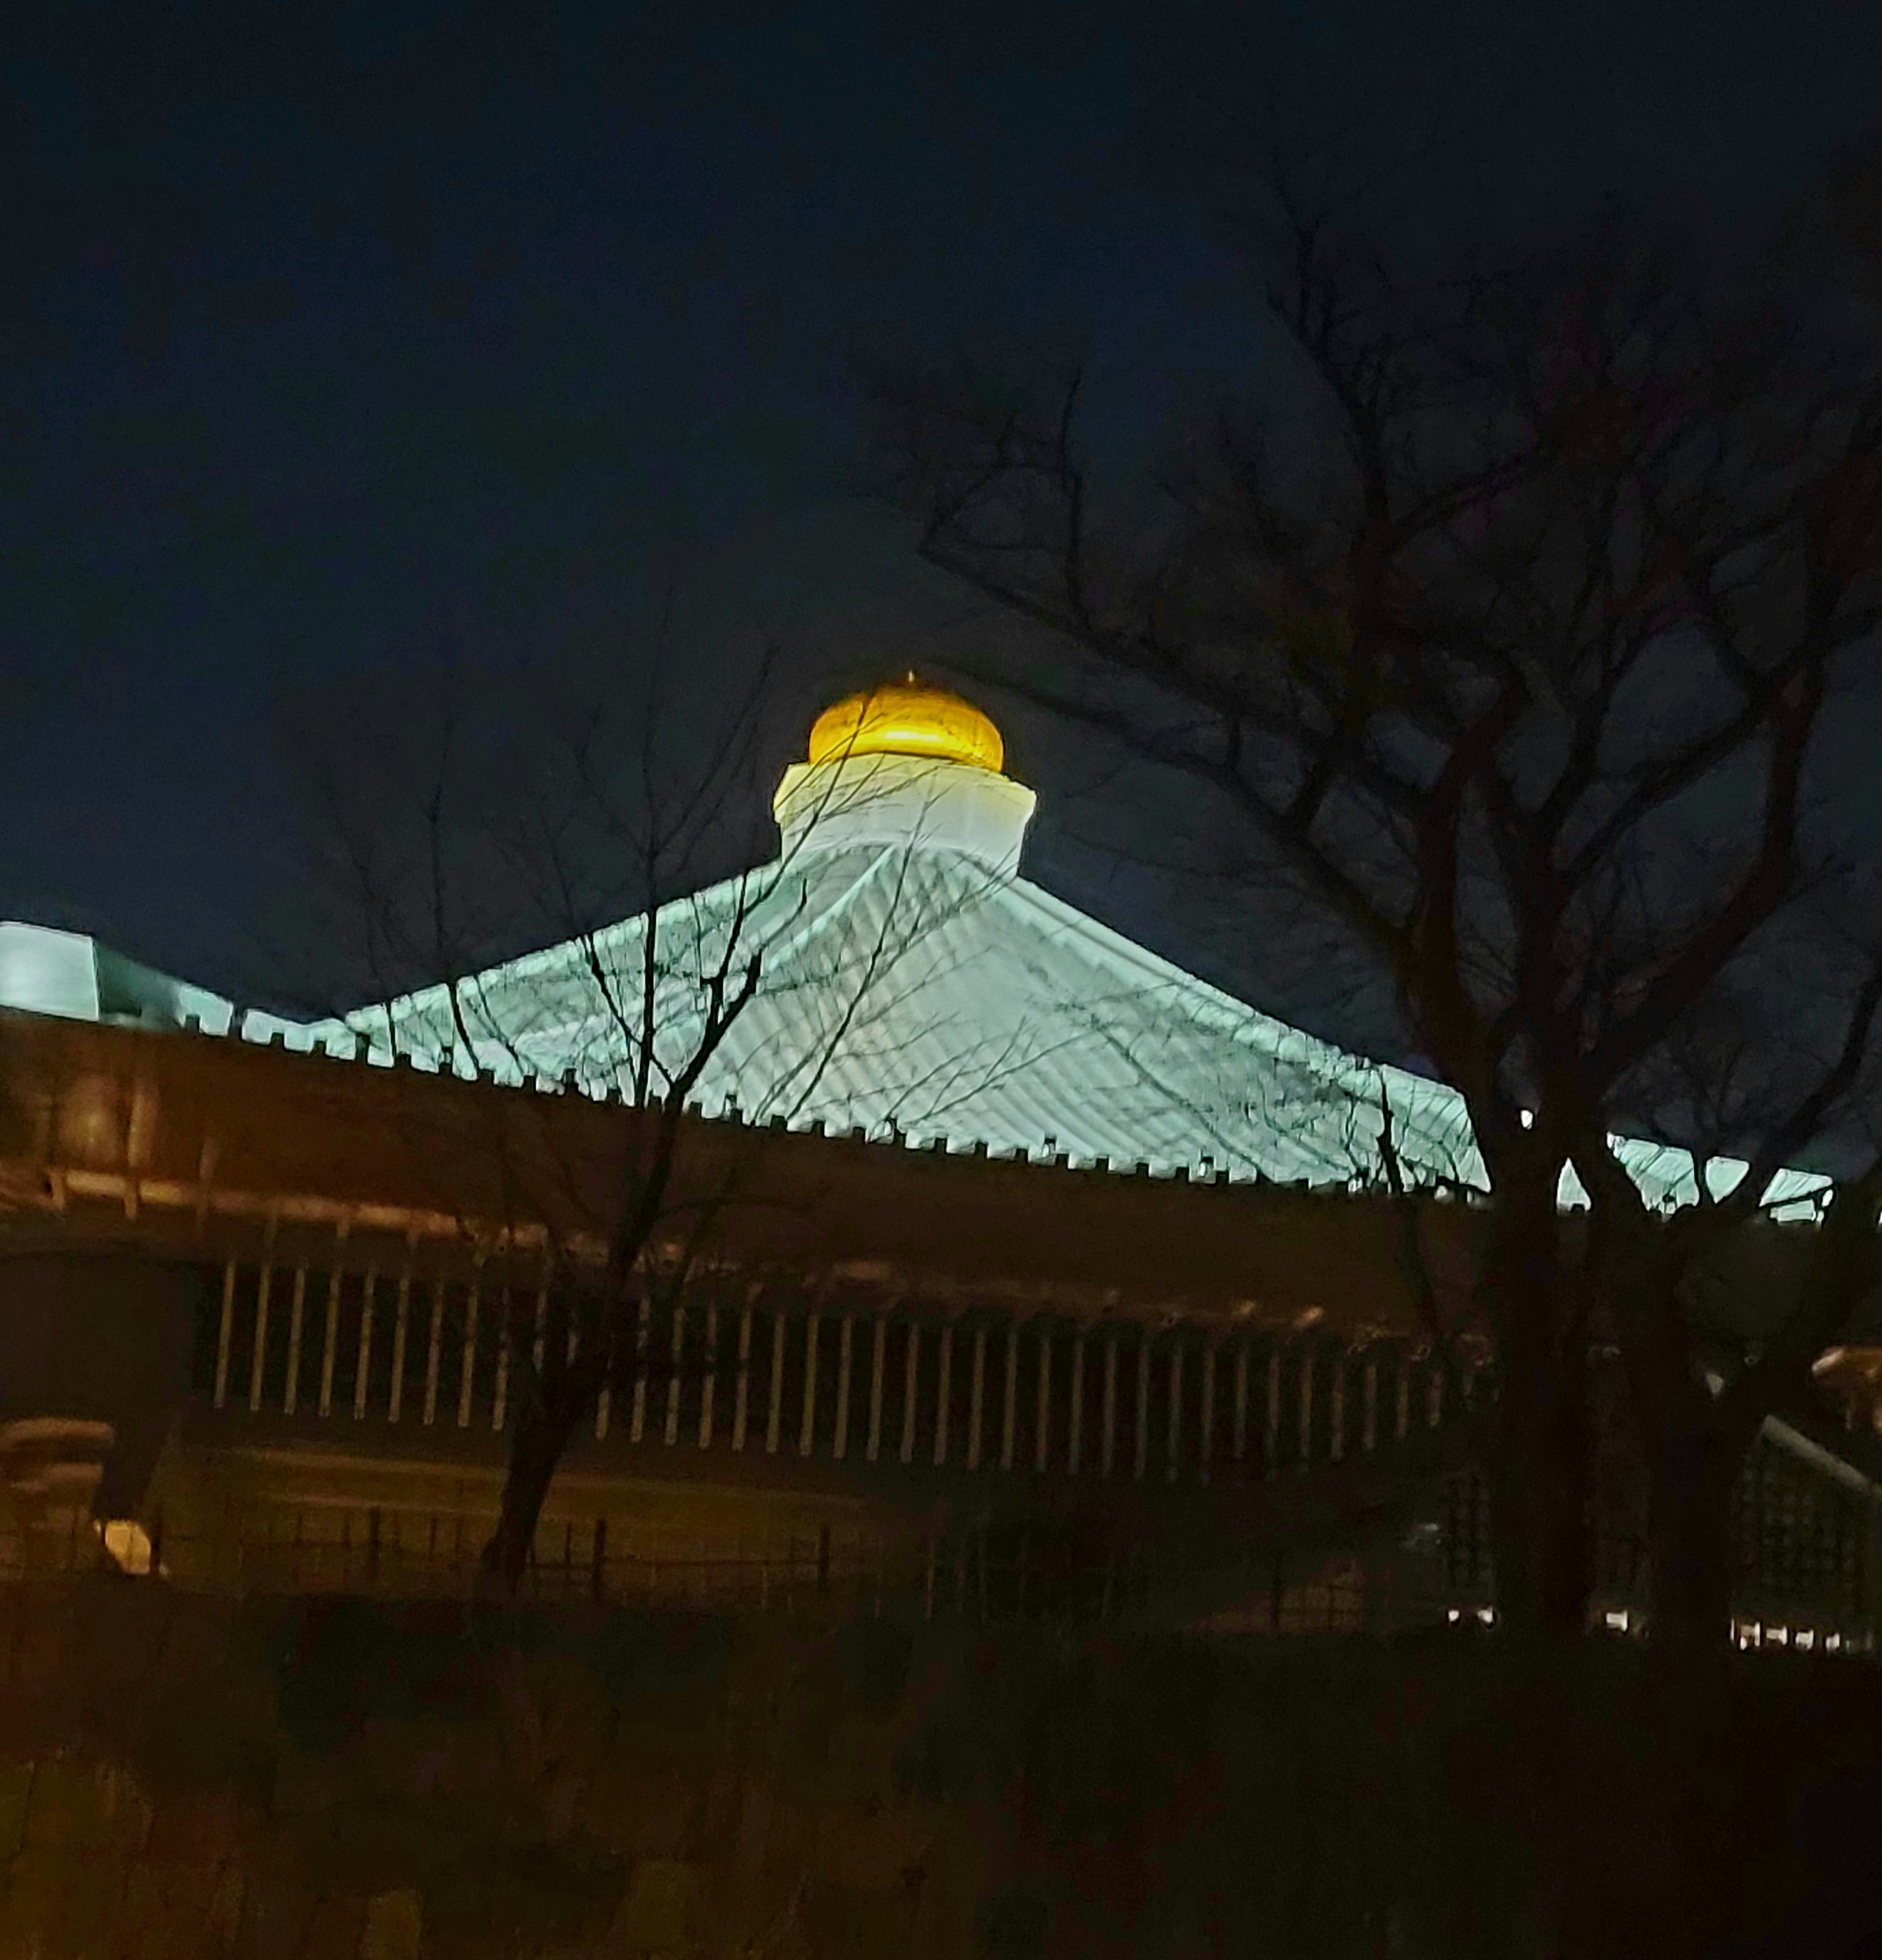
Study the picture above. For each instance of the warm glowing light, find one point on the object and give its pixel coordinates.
(128, 1543)
(907, 719)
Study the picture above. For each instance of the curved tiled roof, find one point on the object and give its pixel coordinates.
(908, 987)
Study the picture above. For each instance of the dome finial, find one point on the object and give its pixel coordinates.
(905, 718)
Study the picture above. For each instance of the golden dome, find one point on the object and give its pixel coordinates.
(907, 719)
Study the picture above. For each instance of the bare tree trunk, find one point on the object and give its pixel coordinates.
(1691, 1482)
(543, 1434)
(1541, 1437)
(1540, 1485)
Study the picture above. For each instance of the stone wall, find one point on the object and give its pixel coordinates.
(348, 1781)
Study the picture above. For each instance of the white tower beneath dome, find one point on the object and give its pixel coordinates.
(905, 765)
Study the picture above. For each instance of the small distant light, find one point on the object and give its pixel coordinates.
(1528, 1119)
(1807, 1637)
(1616, 1622)
(1487, 1615)
(1453, 1616)
(1779, 1636)
(1832, 1642)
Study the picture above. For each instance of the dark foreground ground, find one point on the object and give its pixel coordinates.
(184, 1777)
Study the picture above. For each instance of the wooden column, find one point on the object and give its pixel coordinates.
(261, 1332)
(878, 1360)
(708, 1373)
(1176, 1407)
(774, 1415)
(676, 1356)
(500, 1394)
(330, 1344)
(910, 1383)
(1337, 1408)
(473, 1299)
(741, 1386)
(643, 1354)
(1143, 1406)
(401, 1330)
(977, 1396)
(362, 1361)
(1208, 1413)
(1075, 1443)
(1306, 1407)
(296, 1321)
(1402, 1415)
(1010, 1415)
(1271, 1426)
(225, 1334)
(1369, 1406)
(433, 1352)
(1238, 1439)
(807, 1430)
(1042, 1442)
(845, 1340)
(1107, 1441)
(943, 1385)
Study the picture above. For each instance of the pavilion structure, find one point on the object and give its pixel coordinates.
(1016, 1227)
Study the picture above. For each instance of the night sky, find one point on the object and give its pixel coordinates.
(331, 339)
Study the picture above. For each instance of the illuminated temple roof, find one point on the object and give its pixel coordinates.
(913, 984)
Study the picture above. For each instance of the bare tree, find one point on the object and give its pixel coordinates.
(1519, 652)
(661, 992)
